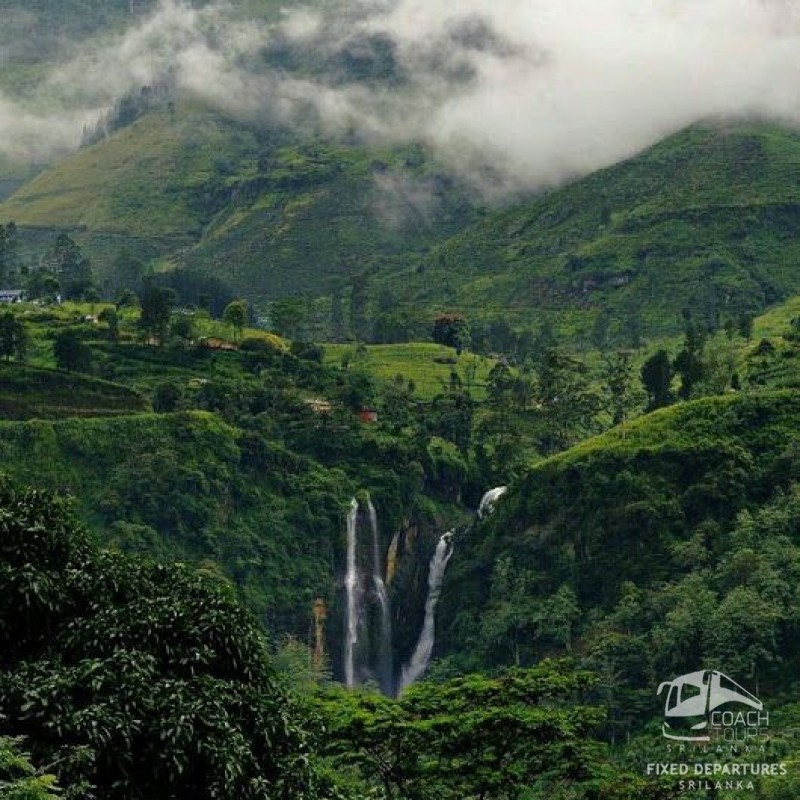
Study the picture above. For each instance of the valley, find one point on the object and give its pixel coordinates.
(357, 443)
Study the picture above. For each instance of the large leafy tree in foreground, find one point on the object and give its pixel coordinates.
(132, 680)
(527, 733)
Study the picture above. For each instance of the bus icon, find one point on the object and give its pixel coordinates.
(693, 697)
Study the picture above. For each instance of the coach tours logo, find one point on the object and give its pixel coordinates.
(720, 730)
(708, 706)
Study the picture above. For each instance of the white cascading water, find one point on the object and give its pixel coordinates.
(355, 619)
(424, 649)
(489, 499)
(385, 679)
(352, 589)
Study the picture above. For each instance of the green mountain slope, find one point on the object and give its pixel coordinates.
(137, 183)
(703, 224)
(178, 487)
(33, 393)
(137, 190)
(667, 547)
(315, 214)
(268, 215)
(267, 513)
(706, 220)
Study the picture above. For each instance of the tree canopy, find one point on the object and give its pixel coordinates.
(135, 680)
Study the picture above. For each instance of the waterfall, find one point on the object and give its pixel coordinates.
(367, 647)
(424, 649)
(385, 677)
(352, 588)
(489, 499)
(368, 614)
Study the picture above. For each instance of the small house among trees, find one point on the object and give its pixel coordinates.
(11, 295)
(215, 343)
(368, 415)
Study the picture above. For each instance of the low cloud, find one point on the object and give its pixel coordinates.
(511, 94)
(538, 92)
(27, 136)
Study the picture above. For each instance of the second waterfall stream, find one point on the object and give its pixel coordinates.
(385, 660)
(421, 657)
(424, 649)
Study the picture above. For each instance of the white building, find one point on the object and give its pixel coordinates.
(11, 295)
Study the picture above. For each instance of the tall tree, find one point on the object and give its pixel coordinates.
(71, 353)
(359, 297)
(110, 316)
(42, 283)
(127, 273)
(499, 385)
(450, 415)
(566, 403)
(451, 330)
(8, 252)
(13, 337)
(157, 303)
(657, 373)
(288, 315)
(235, 315)
(619, 386)
(72, 268)
(689, 362)
(745, 326)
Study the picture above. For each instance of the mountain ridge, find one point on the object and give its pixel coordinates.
(700, 226)
(684, 209)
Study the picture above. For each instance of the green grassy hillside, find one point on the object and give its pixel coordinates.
(706, 220)
(139, 191)
(139, 183)
(313, 215)
(268, 215)
(30, 392)
(668, 547)
(428, 365)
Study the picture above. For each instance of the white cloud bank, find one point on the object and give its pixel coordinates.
(534, 90)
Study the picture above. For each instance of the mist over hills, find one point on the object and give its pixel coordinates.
(289, 150)
(704, 223)
(535, 94)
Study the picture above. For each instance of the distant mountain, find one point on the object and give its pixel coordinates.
(267, 213)
(705, 223)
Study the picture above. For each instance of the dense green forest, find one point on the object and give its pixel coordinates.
(663, 545)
